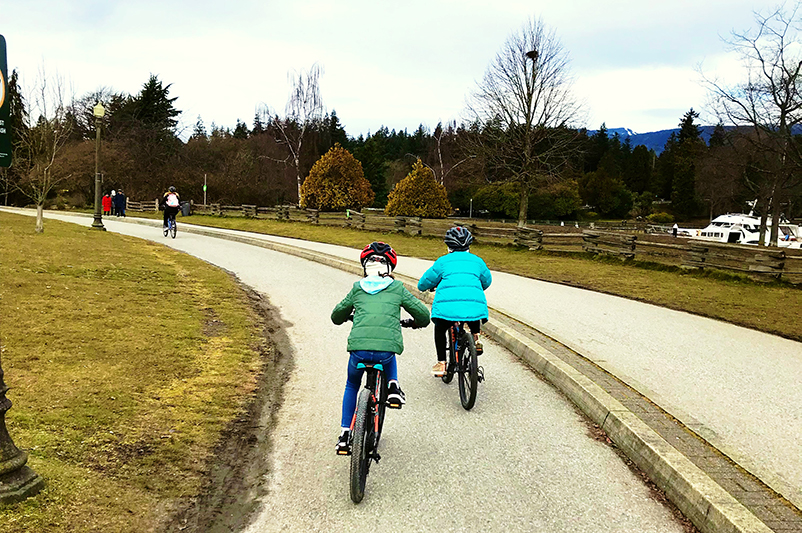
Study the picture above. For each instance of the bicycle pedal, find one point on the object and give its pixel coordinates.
(343, 452)
(394, 405)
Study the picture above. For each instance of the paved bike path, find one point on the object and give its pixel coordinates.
(738, 388)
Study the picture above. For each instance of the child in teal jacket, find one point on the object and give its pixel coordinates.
(461, 279)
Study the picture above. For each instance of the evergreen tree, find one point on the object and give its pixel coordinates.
(153, 108)
(418, 195)
(258, 125)
(199, 131)
(689, 148)
(374, 164)
(336, 182)
(240, 130)
(598, 145)
(638, 172)
(718, 137)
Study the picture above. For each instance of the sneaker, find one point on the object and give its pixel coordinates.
(439, 369)
(343, 445)
(395, 396)
(479, 348)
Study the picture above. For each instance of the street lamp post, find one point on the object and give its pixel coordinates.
(17, 480)
(98, 111)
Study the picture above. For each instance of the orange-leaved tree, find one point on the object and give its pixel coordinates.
(336, 182)
(418, 195)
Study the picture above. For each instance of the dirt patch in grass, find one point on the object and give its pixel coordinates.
(235, 480)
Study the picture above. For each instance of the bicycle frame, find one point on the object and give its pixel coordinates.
(375, 380)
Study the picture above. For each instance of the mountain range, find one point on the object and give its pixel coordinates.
(655, 140)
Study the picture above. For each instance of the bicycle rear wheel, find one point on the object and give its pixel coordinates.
(451, 356)
(362, 448)
(167, 228)
(173, 228)
(468, 371)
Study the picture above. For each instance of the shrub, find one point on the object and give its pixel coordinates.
(500, 199)
(418, 195)
(336, 182)
(660, 218)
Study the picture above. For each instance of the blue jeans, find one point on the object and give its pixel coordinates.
(387, 359)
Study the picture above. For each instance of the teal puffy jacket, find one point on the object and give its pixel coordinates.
(377, 317)
(461, 279)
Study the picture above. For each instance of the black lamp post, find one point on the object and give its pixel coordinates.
(98, 111)
(17, 481)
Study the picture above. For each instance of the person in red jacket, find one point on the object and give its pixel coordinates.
(106, 204)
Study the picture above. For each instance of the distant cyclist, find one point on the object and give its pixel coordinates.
(375, 301)
(172, 204)
(461, 279)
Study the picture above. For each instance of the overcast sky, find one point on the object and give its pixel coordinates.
(397, 64)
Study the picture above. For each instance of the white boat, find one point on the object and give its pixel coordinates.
(738, 228)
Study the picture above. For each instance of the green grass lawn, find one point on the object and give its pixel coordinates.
(126, 360)
(772, 307)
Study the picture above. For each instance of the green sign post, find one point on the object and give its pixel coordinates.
(5, 106)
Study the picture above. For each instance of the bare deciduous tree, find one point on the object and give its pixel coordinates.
(304, 108)
(767, 107)
(522, 109)
(41, 139)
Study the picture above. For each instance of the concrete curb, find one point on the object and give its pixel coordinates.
(702, 500)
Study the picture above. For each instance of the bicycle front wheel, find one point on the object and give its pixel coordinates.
(468, 371)
(362, 447)
(173, 229)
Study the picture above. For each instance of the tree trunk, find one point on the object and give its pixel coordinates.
(763, 218)
(40, 221)
(523, 205)
(775, 221)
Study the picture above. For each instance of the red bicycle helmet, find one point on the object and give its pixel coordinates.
(379, 248)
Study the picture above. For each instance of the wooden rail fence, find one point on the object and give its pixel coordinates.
(626, 241)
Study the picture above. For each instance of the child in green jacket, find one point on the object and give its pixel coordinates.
(375, 301)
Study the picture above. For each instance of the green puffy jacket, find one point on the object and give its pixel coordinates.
(377, 317)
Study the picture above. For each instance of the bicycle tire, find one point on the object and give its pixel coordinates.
(451, 359)
(361, 446)
(173, 229)
(468, 371)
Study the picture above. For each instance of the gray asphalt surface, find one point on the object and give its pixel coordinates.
(521, 460)
(739, 388)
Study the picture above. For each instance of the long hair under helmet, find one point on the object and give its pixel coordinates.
(458, 239)
(379, 250)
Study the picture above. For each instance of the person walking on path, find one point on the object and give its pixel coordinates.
(119, 203)
(674, 230)
(106, 204)
(113, 202)
(461, 279)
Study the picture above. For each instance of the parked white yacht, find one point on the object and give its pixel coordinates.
(745, 229)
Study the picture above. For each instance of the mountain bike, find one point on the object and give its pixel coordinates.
(172, 227)
(367, 424)
(461, 358)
